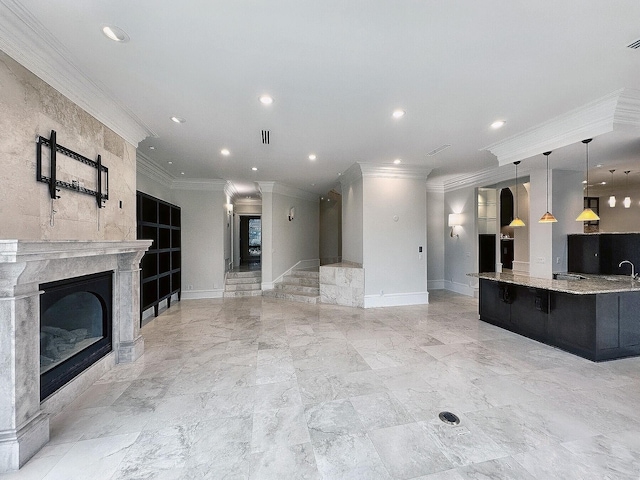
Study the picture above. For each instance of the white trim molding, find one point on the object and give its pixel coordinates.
(435, 284)
(394, 171)
(148, 168)
(288, 191)
(212, 185)
(621, 107)
(396, 299)
(200, 294)
(28, 42)
(461, 288)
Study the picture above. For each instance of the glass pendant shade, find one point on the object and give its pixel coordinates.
(587, 215)
(516, 222)
(548, 216)
(612, 198)
(627, 202)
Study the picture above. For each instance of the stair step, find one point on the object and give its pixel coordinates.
(242, 287)
(297, 288)
(239, 280)
(305, 273)
(294, 297)
(252, 273)
(303, 280)
(243, 293)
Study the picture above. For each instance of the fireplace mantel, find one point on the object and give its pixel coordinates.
(24, 265)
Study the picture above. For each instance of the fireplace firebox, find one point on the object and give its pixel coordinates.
(75, 327)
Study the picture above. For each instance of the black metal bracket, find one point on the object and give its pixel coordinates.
(101, 194)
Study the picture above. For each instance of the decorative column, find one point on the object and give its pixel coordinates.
(127, 341)
(24, 429)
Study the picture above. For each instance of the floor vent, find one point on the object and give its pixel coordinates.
(265, 137)
(450, 418)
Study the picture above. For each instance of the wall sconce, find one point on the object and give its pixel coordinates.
(229, 207)
(455, 220)
(292, 212)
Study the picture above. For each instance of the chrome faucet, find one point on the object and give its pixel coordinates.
(633, 270)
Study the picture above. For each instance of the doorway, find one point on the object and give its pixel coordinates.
(250, 240)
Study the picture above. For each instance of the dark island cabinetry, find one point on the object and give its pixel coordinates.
(600, 326)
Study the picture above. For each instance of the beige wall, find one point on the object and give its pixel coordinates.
(29, 107)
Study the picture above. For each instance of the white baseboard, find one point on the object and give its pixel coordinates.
(199, 294)
(461, 288)
(435, 284)
(396, 299)
(520, 267)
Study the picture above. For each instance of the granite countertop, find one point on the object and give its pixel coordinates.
(589, 285)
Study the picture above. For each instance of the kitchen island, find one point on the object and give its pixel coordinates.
(594, 316)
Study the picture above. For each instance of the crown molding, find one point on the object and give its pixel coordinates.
(434, 187)
(210, 185)
(487, 176)
(394, 171)
(29, 43)
(350, 175)
(148, 168)
(621, 107)
(231, 191)
(282, 189)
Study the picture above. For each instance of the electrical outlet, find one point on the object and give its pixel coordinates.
(540, 260)
(557, 260)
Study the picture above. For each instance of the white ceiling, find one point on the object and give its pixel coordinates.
(337, 69)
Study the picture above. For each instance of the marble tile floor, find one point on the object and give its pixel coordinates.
(256, 388)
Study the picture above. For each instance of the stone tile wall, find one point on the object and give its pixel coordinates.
(342, 284)
(30, 107)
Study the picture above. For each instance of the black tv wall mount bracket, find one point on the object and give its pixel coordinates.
(101, 193)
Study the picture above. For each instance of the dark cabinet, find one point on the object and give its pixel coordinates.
(602, 253)
(160, 275)
(487, 252)
(599, 327)
(506, 253)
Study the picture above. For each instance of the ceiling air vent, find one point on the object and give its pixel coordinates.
(438, 150)
(265, 137)
(635, 45)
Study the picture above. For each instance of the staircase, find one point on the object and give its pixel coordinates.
(298, 286)
(243, 284)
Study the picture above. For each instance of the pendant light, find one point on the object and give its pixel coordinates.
(547, 217)
(587, 214)
(612, 198)
(516, 222)
(627, 200)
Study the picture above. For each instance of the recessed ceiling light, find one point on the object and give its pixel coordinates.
(599, 165)
(255, 169)
(266, 99)
(397, 161)
(398, 113)
(181, 173)
(603, 183)
(584, 182)
(114, 33)
(339, 173)
(498, 124)
(170, 163)
(151, 147)
(312, 157)
(177, 119)
(225, 152)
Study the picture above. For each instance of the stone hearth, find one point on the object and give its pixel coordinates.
(24, 265)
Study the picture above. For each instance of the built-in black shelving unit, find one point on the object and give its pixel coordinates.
(161, 265)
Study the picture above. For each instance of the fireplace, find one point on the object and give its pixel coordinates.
(75, 327)
(98, 283)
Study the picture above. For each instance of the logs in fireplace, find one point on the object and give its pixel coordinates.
(75, 327)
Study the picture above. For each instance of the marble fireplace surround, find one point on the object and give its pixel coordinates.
(24, 265)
